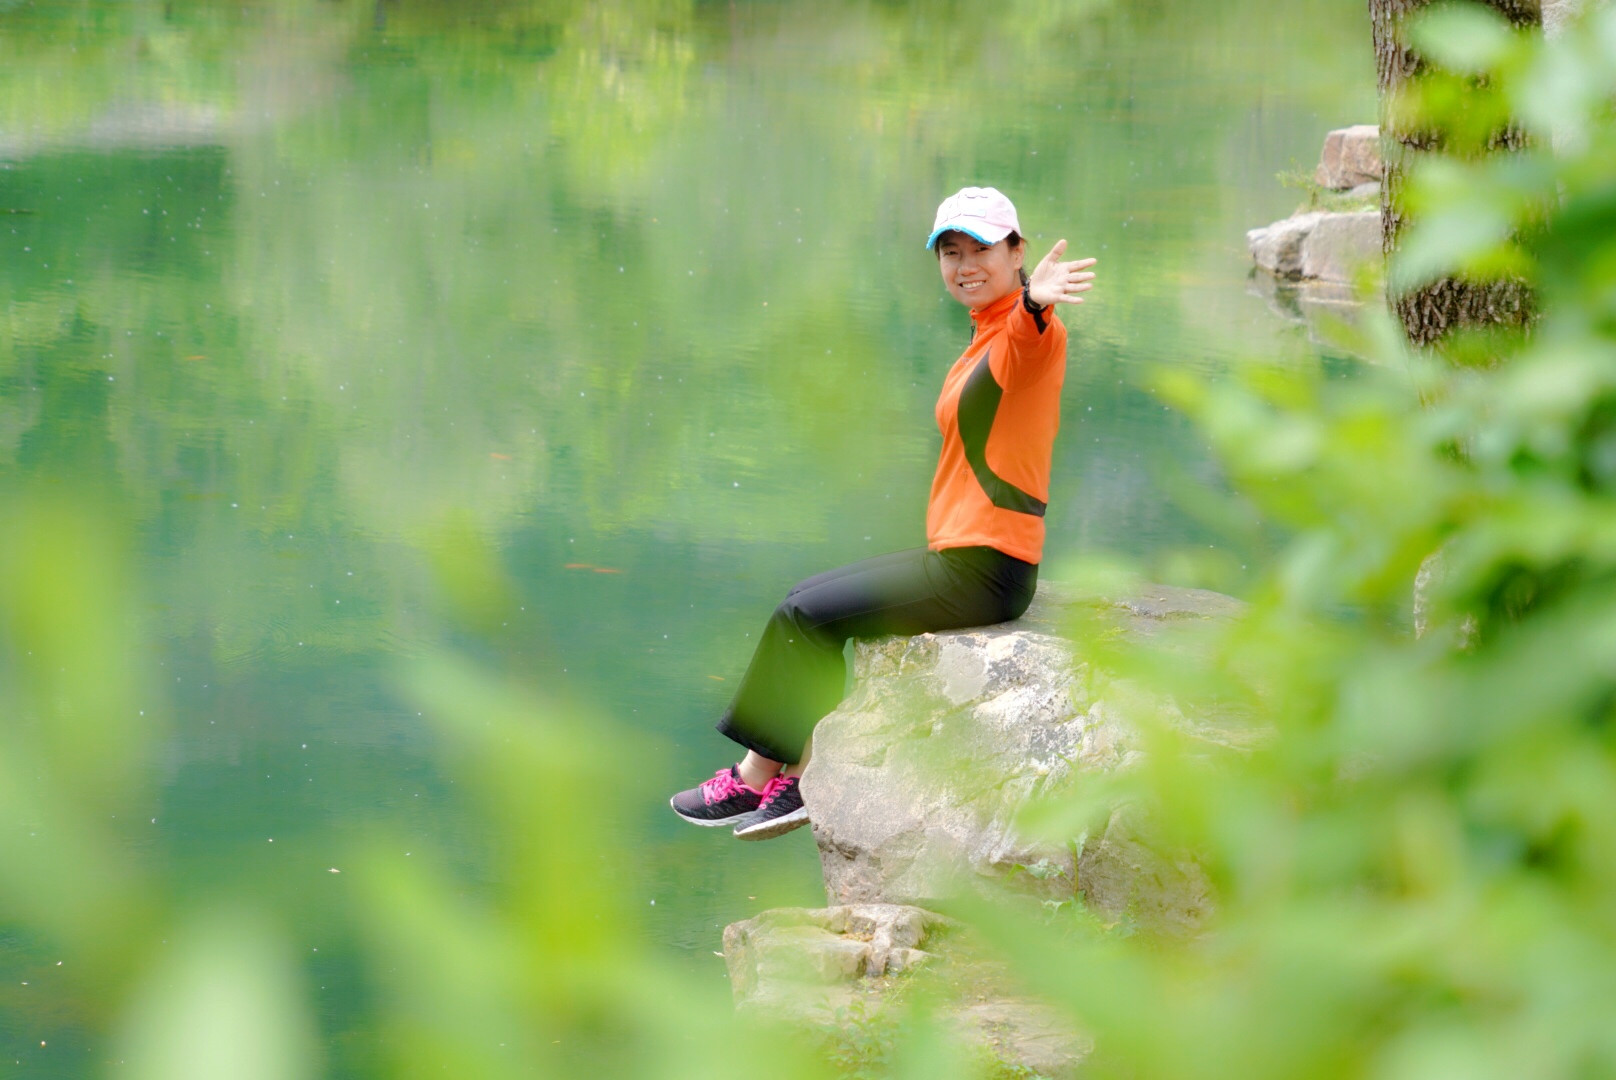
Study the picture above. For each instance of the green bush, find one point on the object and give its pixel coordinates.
(1415, 863)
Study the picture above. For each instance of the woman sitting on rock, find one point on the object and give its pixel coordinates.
(999, 409)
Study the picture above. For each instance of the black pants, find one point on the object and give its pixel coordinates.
(797, 673)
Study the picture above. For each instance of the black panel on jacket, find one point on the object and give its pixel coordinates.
(978, 405)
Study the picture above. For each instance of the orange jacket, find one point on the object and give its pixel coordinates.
(998, 412)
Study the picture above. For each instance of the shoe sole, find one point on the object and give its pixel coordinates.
(710, 822)
(768, 830)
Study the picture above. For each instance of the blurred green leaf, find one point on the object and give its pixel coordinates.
(1463, 37)
(226, 998)
(64, 599)
(469, 572)
(1553, 99)
(1445, 242)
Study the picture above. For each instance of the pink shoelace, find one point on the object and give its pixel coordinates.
(773, 788)
(721, 786)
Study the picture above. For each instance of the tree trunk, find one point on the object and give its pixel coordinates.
(1431, 311)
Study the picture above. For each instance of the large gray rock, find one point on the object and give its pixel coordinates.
(1317, 245)
(915, 786)
(916, 781)
(1339, 244)
(1351, 156)
(1278, 247)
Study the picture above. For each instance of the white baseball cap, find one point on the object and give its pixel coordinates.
(982, 212)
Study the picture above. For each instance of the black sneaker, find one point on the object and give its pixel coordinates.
(723, 800)
(780, 811)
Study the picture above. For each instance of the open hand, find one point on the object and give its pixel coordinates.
(1056, 282)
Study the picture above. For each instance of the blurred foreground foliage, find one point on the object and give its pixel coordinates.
(543, 972)
(1414, 865)
(1416, 862)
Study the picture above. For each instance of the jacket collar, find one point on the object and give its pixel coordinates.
(996, 310)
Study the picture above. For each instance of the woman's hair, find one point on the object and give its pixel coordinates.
(1014, 240)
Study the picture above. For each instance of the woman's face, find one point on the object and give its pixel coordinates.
(977, 274)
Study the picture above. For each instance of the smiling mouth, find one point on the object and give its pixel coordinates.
(969, 285)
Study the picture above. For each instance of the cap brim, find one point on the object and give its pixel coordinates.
(980, 230)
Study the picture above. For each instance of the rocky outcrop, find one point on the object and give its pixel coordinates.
(1278, 247)
(915, 787)
(1317, 246)
(1350, 158)
(916, 781)
(1329, 245)
(1338, 244)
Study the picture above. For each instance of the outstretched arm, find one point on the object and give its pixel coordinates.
(1056, 282)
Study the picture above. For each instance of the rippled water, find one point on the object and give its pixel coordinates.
(626, 301)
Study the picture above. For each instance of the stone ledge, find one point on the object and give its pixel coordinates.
(826, 969)
(808, 960)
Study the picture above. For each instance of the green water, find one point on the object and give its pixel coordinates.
(566, 337)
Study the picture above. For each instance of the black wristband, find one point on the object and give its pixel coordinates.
(1039, 319)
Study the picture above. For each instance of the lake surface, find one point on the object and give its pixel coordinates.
(563, 339)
